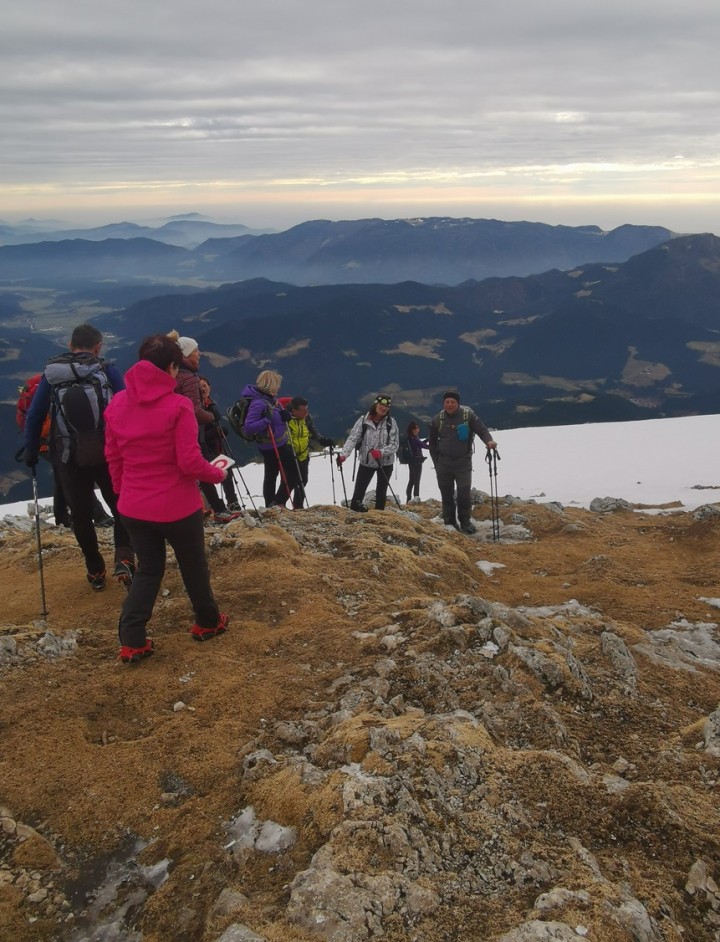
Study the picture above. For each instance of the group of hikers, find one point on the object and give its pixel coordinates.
(150, 442)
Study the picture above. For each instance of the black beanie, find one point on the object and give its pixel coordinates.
(451, 395)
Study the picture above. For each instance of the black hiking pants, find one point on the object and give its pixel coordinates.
(78, 485)
(272, 493)
(363, 478)
(413, 485)
(187, 538)
(299, 492)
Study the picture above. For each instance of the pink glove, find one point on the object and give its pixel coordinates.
(340, 459)
(376, 454)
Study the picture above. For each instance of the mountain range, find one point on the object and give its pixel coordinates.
(188, 230)
(597, 342)
(366, 251)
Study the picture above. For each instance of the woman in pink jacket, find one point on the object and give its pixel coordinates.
(152, 450)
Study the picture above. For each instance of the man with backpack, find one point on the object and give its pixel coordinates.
(301, 431)
(75, 389)
(26, 393)
(451, 448)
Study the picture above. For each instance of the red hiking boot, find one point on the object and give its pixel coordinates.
(202, 634)
(133, 655)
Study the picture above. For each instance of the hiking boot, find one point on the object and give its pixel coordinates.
(97, 580)
(104, 520)
(450, 523)
(133, 655)
(358, 507)
(124, 572)
(225, 516)
(202, 634)
(468, 527)
(234, 507)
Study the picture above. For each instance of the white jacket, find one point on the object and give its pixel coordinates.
(384, 437)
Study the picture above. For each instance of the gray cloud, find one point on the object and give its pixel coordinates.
(499, 97)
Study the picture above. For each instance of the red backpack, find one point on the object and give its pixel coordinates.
(25, 397)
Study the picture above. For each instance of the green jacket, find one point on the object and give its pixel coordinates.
(300, 432)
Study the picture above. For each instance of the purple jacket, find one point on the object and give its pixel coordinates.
(263, 416)
(416, 448)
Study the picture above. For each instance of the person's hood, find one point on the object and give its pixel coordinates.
(146, 383)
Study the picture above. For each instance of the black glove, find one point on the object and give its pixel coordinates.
(30, 459)
(285, 415)
(326, 442)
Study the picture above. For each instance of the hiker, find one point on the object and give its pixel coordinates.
(61, 513)
(188, 384)
(267, 420)
(213, 442)
(451, 448)
(155, 462)
(301, 431)
(75, 388)
(415, 459)
(376, 438)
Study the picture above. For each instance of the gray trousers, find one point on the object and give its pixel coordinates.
(454, 477)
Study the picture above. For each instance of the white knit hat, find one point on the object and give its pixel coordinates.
(187, 345)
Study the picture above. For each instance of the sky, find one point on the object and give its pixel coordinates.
(272, 113)
(650, 462)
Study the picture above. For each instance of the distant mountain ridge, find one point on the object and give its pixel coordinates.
(184, 231)
(440, 250)
(431, 250)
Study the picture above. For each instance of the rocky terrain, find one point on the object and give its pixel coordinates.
(406, 735)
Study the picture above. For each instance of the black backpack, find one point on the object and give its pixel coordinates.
(405, 454)
(236, 416)
(80, 391)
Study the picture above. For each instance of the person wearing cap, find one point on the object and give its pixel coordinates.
(376, 438)
(451, 447)
(188, 384)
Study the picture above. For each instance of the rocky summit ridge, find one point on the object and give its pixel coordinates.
(406, 734)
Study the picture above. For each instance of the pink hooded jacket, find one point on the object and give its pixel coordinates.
(151, 447)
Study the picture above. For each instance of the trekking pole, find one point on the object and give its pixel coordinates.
(228, 451)
(492, 457)
(247, 491)
(44, 612)
(332, 473)
(297, 468)
(280, 464)
(236, 467)
(342, 478)
(381, 467)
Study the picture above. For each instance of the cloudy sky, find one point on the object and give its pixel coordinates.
(274, 112)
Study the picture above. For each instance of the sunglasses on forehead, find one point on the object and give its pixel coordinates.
(384, 400)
